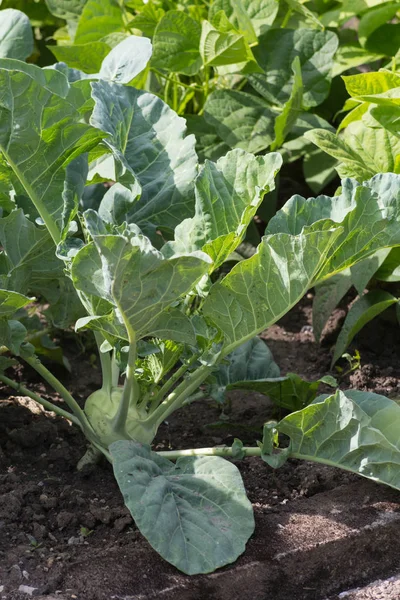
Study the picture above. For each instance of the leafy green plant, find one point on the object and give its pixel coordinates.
(367, 142)
(143, 268)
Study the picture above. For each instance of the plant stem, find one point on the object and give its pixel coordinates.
(177, 398)
(45, 403)
(105, 362)
(35, 363)
(171, 382)
(286, 18)
(129, 395)
(217, 451)
(114, 370)
(199, 396)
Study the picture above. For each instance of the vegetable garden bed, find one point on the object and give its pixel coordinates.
(319, 530)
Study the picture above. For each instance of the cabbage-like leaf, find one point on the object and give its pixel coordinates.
(16, 38)
(228, 194)
(150, 138)
(126, 60)
(194, 513)
(34, 103)
(136, 279)
(356, 431)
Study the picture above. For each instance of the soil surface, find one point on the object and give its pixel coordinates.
(319, 531)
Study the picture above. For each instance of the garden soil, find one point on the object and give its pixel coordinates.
(320, 533)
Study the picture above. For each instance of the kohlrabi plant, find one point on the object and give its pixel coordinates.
(143, 268)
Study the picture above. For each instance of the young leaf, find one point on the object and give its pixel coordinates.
(126, 60)
(291, 110)
(194, 513)
(176, 44)
(218, 48)
(356, 431)
(16, 39)
(150, 139)
(275, 54)
(228, 194)
(362, 312)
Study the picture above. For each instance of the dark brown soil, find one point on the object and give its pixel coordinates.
(319, 531)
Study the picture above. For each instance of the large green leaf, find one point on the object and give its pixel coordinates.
(10, 302)
(16, 39)
(241, 120)
(261, 13)
(41, 133)
(136, 279)
(362, 312)
(85, 57)
(66, 9)
(327, 296)
(309, 241)
(275, 53)
(228, 194)
(126, 60)
(176, 43)
(219, 48)
(194, 513)
(150, 138)
(374, 18)
(356, 431)
(97, 20)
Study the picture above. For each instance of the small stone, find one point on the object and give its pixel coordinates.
(48, 502)
(39, 531)
(64, 519)
(15, 574)
(122, 522)
(27, 589)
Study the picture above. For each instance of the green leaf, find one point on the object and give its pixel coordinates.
(312, 239)
(374, 18)
(327, 296)
(194, 513)
(228, 194)
(219, 48)
(369, 86)
(135, 278)
(362, 272)
(390, 269)
(41, 134)
(85, 57)
(261, 13)
(319, 170)
(362, 312)
(97, 20)
(16, 39)
(291, 110)
(385, 40)
(176, 44)
(275, 54)
(290, 392)
(356, 431)
(149, 138)
(66, 9)
(349, 56)
(126, 60)
(241, 120)
(12, 335)
(148, 18)
(10, 302)
(251, 361)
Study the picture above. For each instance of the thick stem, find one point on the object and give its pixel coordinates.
(224, 451)
(114, 370)
(129, 396)
(45, 403)
(171, 382)
(177, 398)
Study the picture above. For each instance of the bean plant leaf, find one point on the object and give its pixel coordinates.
(240, 119)
(135, 278)
(194, 513)
(66, 9)
(291, 110)
(275, 54)
(150, 138)
(261, 13)
(228, 194)
(290, 392)
(126, 60)
(85, 57)
(356, 431)
(219, 48)
(176, 44)
(16, 38)
(366, 308)
(10, 302)
(97, 20)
